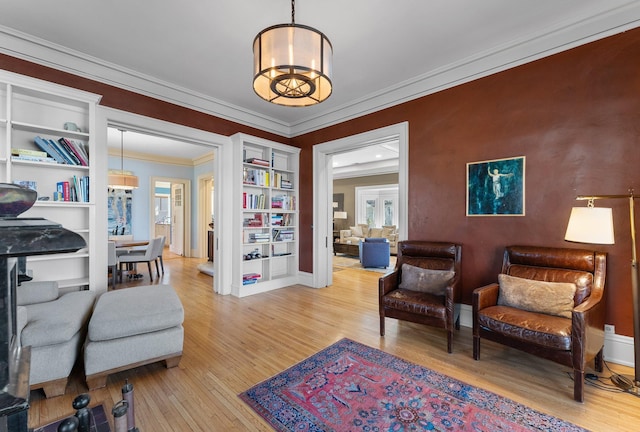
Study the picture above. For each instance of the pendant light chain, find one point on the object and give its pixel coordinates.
(121, 151)
(293, 11)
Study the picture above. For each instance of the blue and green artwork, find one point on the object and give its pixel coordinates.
(496, 187)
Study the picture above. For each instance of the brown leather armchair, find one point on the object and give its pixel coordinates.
(419, 306)
(569, 341)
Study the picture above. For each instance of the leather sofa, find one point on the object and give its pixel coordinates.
(358, 233)
(533, 321)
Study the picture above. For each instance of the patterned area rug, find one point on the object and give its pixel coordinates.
(352, 387)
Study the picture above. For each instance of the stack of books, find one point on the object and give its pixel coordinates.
(64, 150)
(31, 156)
(257, 161)
(258, 237)
(250, 278)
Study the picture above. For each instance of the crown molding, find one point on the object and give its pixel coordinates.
(149, 157)
(514, 53)
(36, 50)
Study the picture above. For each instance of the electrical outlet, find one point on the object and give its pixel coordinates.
(610, 329)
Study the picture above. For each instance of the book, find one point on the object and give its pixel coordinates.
(64, 189)
(247, 276)
(28, 158)
(45, 146)
(28, 152)
(257, 161)
(75, 155)
(27, 183)
(65, 155)
(81, 148)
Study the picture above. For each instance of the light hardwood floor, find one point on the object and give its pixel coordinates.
(232, 344)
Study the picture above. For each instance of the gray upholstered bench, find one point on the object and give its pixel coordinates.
(132, 327)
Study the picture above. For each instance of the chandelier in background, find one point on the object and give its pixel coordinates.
(292, 64)
(121, 179)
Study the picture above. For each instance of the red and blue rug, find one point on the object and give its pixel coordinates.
(352, 387)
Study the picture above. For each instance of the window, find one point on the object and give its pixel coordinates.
(377, 205)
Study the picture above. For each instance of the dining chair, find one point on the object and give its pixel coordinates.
(148, 256)
(159, 254)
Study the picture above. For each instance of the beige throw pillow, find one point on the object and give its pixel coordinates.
(425, 280)
(375, 232)
(356, 231)
(551, 298)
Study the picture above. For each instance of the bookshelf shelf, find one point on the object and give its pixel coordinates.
(267, 215)
(30, 108)
(37, 129)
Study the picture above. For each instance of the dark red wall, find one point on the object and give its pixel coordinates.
(575, 116)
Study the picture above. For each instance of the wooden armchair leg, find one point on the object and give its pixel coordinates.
(450, 341)
(578, 385)
(598, 361)
(382, 326)
(150, 273)
(476, 347)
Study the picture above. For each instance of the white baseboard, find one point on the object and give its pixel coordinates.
(305, 278)
(617, 348)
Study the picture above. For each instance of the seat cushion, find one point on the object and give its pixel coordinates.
(531, 327)
(36, 292)
(58, 321)
(416, 302)
(133, 311)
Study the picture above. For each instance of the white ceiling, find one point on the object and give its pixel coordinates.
(198, 53)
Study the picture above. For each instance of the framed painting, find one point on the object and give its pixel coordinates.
(496, 187)
(119, 211)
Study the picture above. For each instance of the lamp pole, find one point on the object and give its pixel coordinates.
(619, 381)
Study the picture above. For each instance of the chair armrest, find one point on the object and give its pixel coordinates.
(21, 321)
(485, 296)
(587, 324)
(453, 290)
(344, 234)
(388, 283)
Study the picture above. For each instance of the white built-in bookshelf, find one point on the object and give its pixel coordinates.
(31, 108)
(265, 215)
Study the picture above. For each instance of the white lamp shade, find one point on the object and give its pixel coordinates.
(340, 215)
(590, 225)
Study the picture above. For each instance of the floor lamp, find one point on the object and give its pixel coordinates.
(595, 225)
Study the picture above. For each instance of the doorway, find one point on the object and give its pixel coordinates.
(179, 137)
(323, 192)
(170, 213)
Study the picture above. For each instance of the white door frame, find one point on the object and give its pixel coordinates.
(180, 242)
(186, 203)
(323, 192)
(204, 213)
(223, 148)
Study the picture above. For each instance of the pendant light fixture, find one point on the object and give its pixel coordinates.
(292, 64)
(121, 179)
